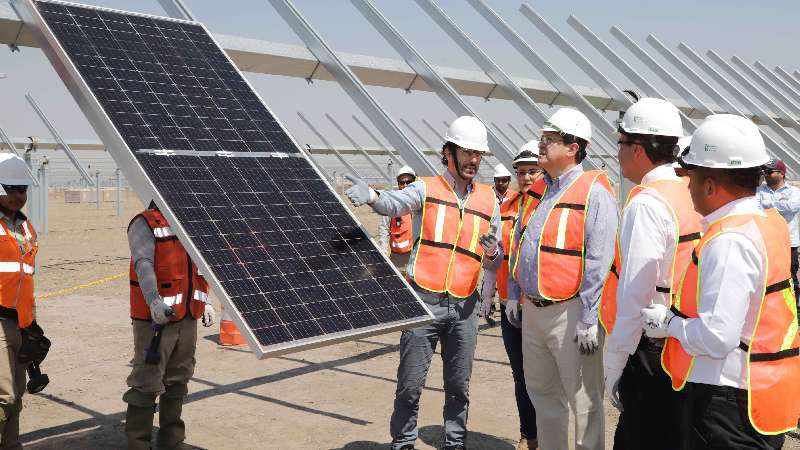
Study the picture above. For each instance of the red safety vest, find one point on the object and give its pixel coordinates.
(400, 234)
(562, 237)
(449, 257)
(773, 351)
(509, 208)
(675, 195)
(177, 277)
(17, 267)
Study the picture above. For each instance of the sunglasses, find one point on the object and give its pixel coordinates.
(15, 188)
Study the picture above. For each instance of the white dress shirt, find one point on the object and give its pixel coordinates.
(732, 278)
(648, 240)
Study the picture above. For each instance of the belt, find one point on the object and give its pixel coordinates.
(8, 313)
(657, 343)
(542, 303)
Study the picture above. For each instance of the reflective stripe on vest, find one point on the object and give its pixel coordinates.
(173, 299)
(674, 194)
(163, 232)
(400, 234)
(448, 257)
(773, 353)
(561, 240)
(17, 266)
(509, 209)
(200, 296)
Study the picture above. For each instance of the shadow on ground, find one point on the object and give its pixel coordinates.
(105, 437)
(433, 435)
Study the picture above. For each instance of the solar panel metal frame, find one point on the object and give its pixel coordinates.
(145, 189)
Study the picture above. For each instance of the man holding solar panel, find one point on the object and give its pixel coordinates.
(454, 230)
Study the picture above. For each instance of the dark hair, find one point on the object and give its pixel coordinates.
(582, 143)
(451, 148)
(741, 179)
(659, 149)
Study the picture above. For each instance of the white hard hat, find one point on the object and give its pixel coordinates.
(13, 170)
(406, 170)
(528, 154)
(569, 121)
(726, 141)
(500, 171)
(652, 116)
(468, 132)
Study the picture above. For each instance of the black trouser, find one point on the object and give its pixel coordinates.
(652, 410)
(794, 266)
(719, 420)
(512, 340)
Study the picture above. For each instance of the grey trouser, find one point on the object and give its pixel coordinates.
(12, 384)
(560, 378)
(178, 344)
(456, 326)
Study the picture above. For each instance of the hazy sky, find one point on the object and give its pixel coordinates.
(764, 31)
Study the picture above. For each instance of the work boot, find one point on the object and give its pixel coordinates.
(139, 419)
(172, 430)
(528, 444)
(9, 431)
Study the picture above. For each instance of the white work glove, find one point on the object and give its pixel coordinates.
(655, 320)
(209, 316)
(160, 312)
(586, 337)
(613, 365)
(360, 193)
(513, 313)
(489, 244)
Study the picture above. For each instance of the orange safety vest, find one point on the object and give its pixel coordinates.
(509, 208)
(177, 277)
(449, 257)
(562, 236)
(675, 195)
(17, 267)
(773, 353)
(400, 234)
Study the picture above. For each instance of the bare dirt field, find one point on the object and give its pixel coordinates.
(337, 397)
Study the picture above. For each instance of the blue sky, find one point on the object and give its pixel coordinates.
(764, 31)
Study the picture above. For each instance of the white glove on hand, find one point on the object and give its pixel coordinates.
(586, 336)
(209, 316)
(489, 244)
(360, 193)
(158, 312)
(655, 320)
(513, 313)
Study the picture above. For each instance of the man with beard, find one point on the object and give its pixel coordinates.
(455, 227)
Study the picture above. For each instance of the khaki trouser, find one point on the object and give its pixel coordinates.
(400, 260)
(178, 344)
(12, 384)
(559, 378)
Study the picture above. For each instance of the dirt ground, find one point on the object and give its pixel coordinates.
(337, 397)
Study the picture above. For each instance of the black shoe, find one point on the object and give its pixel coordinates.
(408, 447)
(455, 447)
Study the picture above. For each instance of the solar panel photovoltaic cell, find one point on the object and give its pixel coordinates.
(280, 246)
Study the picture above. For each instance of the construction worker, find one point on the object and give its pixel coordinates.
(657, 233)
(167, 297)
(395, 233)
(18, 248)
(732, 342)
(560, 255)
(776, 193)
(526, 165)
(508, 200)
(456, 223)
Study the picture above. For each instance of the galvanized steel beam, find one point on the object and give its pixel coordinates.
(765, 84)
(788, 77)
(355, 144)
(792, 93)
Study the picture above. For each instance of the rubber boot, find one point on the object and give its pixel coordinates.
(139, 419)
(9, 434)
(172, 430)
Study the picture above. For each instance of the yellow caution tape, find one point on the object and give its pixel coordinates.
(72, 289)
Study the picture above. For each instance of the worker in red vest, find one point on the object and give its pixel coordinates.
(455, 232)
(20, 332)
(657, 234)
(526, 165)
(731, 333)
(562, 247)
(395, 232)
(167, 296)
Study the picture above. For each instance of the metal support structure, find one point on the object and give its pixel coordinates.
(326, 143)
(33, 192)
(99, 194)
(757, 93)
(354, 88)
(44, 202)
(432, 78)
(353, 142)
(788, 77)
(118, 179)
(768, 84)
(392, 154)
(520, 135)
(57, 136)
(792, 93)
(506, 137)
(176, 9)
(13, 149)
(606, 132)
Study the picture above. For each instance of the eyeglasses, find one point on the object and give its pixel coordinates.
(21, 188)
(470, 153)
(545, 141)
(531, 172)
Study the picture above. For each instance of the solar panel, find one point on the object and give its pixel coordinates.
(276, 243)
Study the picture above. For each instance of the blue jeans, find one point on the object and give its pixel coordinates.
(456, 326)
(512, 340)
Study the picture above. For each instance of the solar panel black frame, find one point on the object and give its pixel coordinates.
(287, 156)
